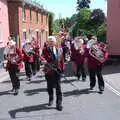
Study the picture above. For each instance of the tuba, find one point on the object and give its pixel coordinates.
(96, 52)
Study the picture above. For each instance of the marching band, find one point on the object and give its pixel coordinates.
(53, 58)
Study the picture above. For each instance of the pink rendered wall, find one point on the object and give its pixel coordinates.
(113, 22)
(4, 25)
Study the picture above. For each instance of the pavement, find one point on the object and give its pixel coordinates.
(79, 103)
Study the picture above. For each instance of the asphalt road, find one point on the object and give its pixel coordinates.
(79, 103)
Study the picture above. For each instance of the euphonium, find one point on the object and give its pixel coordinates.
(96, 52)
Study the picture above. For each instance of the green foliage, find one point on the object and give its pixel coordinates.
(86, 24)
(56, 26)
(102, 33)
(98, 16)
(83, 18)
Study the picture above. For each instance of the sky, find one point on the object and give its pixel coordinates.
(65, 8)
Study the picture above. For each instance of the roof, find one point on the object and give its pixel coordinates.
(30, 2)
(36, 5)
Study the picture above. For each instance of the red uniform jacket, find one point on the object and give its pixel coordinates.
(47, 56)
(76, 56)
(91, 61)
(36, 48)
(27, 57)
(18, 59)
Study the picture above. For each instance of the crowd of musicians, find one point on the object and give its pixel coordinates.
(53, 55)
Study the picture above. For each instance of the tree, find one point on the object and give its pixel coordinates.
(56, 26)
(83, 18)
(80, 22)
(50, 17)
(102, 33)
(98, 16)
(83, 4)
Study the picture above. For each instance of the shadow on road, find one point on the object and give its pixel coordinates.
(29, 109)
(78, 92)
(37, 81)
(6, 93)
(9, 81)
(34, 91)
(69, 81)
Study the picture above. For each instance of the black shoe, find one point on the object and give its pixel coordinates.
(91, 88)
(100, 92)
(83, 79)
(59, 107)
(101, 88)
(34, 73)
(78, 78)
(12, 90)
(29, 79)
(50, 103)
(16, 92)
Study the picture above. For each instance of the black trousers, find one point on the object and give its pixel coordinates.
(53, 81)
(81, 70)
(37, 65)
(30, 69)
(13, 76)
(93, 72)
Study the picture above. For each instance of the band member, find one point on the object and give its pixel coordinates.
(28, 57)
(64, 47)
(96, 56)
(77, 53)
(36, 48)
(14, 57)
(53, 69)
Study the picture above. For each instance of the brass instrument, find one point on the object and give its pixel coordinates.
(79, 47)
(12, 59)
(53, 65)
(96, 52)
(28, 50)
(50, 67)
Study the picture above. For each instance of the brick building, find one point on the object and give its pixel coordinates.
(113, 22)
(4, 26)
(27, 19)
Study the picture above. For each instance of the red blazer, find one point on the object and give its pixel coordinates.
(27, 58)
(46, 55)
(76, 56)
(18, 59)
(36, 48)
(91, 61)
